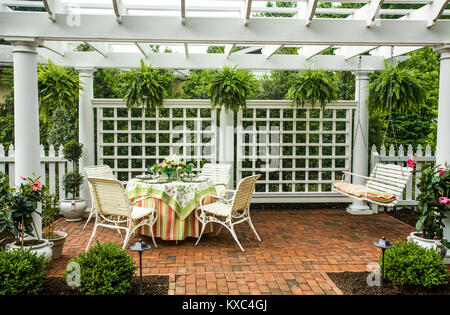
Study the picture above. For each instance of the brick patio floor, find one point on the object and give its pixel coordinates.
(298, 248)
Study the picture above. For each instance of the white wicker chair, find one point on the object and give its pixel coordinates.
(229, 212)
(103, 171)
(115, 211)
(220, 174)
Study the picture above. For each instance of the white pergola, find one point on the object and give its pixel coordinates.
(121, 32)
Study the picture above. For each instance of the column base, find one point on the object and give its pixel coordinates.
(447, 258)
(359, 209)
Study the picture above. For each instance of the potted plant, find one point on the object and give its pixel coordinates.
(231, 88)
(434, 205)
(50, 213)
(73, 208)
(146, 86)
(313, 86)
(17, 207)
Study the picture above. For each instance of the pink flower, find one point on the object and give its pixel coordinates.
(410, 163)
(61, 230)
(7, 208)
(163, 164)
(444, 200)
(23, 178)
(36, 186)
(442, 171)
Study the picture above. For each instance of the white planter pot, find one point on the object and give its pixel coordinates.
(426, 243)
(44, 249)
(73, 209)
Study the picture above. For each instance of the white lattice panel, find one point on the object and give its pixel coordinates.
(297, 151)
(130, 141)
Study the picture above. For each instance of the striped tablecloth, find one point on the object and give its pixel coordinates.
(175, 203)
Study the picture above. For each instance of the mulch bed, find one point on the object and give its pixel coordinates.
(355, 283)
(406, 215)
(151, 285)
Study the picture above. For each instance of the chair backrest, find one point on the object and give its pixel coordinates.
(219, 173)
(109, 196)
(244, 193)
(389, 178)
(103, 171)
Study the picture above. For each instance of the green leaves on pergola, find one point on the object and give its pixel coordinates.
(313, 86)
(231, 88)
(146, 86)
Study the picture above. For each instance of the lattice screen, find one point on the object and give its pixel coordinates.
(130, 141)
(296, 151)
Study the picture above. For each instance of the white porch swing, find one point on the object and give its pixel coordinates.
(386, 183)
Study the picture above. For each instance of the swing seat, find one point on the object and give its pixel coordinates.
(383, 187)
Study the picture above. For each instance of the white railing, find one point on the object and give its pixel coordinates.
(399, 156)
(53, 167)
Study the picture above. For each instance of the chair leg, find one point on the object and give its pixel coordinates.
(153, 236)
(201, 233)
(127, 238)
(89, 218)
(220, 228)
(92, 236)
(233, 233)
(253, 228)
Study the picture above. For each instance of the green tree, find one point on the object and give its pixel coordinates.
(107, 83)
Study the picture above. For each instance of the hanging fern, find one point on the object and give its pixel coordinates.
(401, 88)
(146, 86)
(58, 89)
(231, 88)
(313, 86)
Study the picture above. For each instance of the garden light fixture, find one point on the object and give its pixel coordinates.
(140, 246)
(384, 244)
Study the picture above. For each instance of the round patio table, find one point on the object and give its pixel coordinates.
(175, 202)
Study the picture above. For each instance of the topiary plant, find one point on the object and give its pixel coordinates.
(313, 86)
(105, 269)
(72, 181)
(231, 88)
(21, 272)
(410, 265)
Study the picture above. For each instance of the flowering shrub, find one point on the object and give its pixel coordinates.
(434, 201)
(17, 207)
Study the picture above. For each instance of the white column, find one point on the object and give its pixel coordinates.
(443, 126)
(226, 139)
(26, 115)
(86, 126)
(360, 157)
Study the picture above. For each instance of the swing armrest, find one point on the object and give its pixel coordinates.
(349, 173)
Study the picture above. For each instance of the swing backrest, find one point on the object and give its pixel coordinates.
(389, 178)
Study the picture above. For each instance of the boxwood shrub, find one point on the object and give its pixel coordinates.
(105, 269)
(410, 265)
(21, 272)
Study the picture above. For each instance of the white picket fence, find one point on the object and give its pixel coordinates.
(399, 156)
(53, 167)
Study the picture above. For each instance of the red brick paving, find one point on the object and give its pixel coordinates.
(298, 248)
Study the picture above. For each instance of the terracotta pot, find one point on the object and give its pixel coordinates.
(73, 209)
(58, 243)
(44, 249)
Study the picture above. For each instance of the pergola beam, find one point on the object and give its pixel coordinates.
(183, 12)
(210, 61)
(430, 12)
(268, 51)
(119, 10)
(311, 51)
(53, 7)
(229, 50)
(224, 30)
(247, 11)
(310, 10)
(186, 50)
(97, 48)
(386, 51)
(143, 52)
(368, 12)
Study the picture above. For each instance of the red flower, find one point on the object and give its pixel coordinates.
(410, 163)
(36, 186)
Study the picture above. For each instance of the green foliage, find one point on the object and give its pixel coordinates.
(72, 182)
(105, 270)
(196, 85)
(21, 272)
(107, 83)
(396, 89)
(231, 88)
(276, 85)
(50, 212)
(146, 86)
(58, 88)
(63, 128)
(73, 150)
(434, 184)
(313, 86)
(7, 120)
(410, 265)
